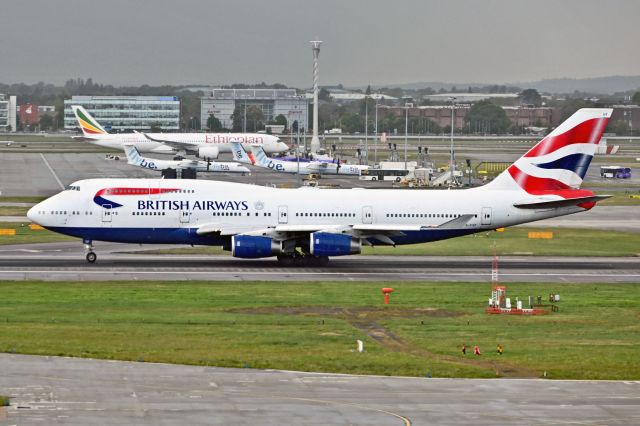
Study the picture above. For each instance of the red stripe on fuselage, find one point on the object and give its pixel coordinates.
(588, 132)
(134, 191)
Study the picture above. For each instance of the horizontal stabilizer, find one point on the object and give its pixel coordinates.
(565, 202)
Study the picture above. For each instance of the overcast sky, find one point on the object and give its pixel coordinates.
(131, 42)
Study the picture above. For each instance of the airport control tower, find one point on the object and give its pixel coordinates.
(315, 141)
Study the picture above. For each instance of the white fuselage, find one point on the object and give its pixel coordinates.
(270, 143)
(172, 211)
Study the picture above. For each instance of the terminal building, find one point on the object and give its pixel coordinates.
(127, 113)
(8, 122)
(273, 102)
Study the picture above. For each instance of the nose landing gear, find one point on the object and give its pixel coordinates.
(88, 247)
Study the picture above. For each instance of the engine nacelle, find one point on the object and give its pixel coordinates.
(328, 244)
(250, 247)
(205, 152)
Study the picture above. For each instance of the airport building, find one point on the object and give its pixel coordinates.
(441, 114)
(8, 122)
(126, 113)
(273, 102)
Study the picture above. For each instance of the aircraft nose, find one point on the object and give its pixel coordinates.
(32, 214)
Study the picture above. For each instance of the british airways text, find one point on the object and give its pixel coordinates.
(197, 205)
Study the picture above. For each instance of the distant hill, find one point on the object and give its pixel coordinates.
(602, 85)
(596, 85)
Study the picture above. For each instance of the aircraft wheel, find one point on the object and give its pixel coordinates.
(91, 257)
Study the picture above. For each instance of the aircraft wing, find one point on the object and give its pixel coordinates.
(172, 143)
(364, 231)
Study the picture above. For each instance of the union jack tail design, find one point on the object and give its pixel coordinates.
(558, 163)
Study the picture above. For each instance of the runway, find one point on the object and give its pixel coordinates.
(48, 390)
(65, 261)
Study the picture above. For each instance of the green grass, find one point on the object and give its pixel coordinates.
(25, 235)
(252, 324)
(9, 199)
(13, 211)
(513, 241)
(4, 401)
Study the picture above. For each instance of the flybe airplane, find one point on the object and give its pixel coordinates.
(204, 145)
(258, 157)
(309, 225)
(134, 158)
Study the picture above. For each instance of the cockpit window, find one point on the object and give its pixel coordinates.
(73, 188)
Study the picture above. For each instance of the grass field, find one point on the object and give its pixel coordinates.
(13, 210)
(513, 241)
(314, 326)
(5, 199)
(26, 235)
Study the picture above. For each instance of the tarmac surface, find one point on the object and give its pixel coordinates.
(75, 391)
(65, 261)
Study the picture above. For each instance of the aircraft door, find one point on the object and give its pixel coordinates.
(283, 214)
(185, 217)
(486, 216)
(106, 214)
(367, 214)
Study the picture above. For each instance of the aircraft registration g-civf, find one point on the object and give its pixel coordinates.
(308, 225)
(204, 145)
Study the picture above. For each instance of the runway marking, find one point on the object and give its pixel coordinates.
(55, 176)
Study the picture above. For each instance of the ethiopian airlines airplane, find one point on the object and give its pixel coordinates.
(204, 145)
(308, 225)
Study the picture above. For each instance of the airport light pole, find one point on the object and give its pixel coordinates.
(244, 121)
(452, 167)
(315, 141)
(366, 128)
(375, 147)
(406, 130)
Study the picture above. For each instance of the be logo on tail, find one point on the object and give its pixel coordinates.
(560, 161)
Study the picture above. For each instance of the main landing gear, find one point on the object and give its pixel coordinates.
(299, 259)
(88, 247)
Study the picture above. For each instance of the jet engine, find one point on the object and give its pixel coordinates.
(205, 152)
(328, 244)
(251, 247)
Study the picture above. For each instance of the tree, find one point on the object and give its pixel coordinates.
(281, 120)
(485, 116)
(352, 122)
(155, 127)
(254, 117)
(213, 124)
(324, 95)
(46, 122)
(530, 97)
(636, 98)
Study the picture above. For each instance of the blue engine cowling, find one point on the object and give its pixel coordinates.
(250, 247)
(328, 244)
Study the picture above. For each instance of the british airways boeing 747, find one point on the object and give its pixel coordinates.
(309, 225)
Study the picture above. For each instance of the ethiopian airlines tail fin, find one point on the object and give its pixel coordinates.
(559, 162)
(240, 154)
(90, 127)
